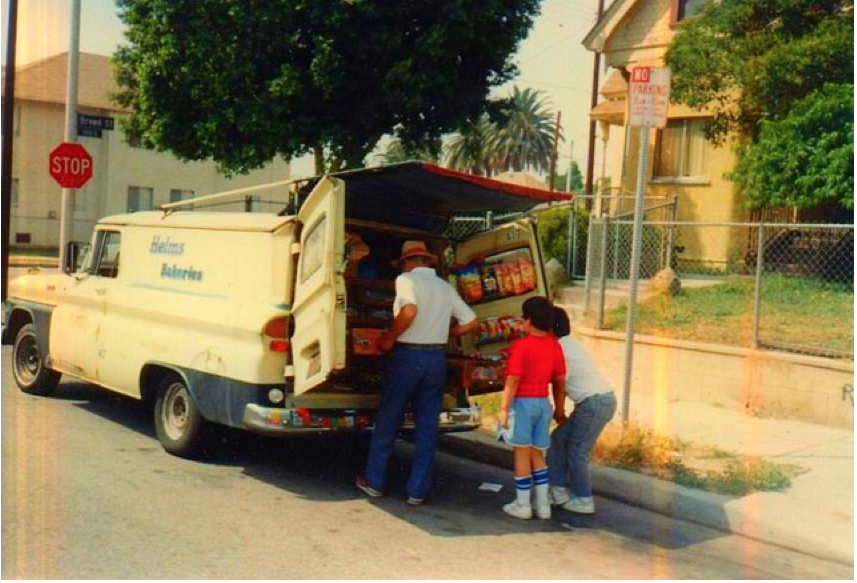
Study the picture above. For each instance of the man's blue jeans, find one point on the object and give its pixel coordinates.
(416, 375)
(572, 443)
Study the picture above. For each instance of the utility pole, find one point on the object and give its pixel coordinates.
(8, 123)
(590, 162)
(554, 151)
(570, 164)
(67, 211)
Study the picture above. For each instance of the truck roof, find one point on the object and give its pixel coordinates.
(216, 221)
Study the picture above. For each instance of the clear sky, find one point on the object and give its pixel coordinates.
(551, 59)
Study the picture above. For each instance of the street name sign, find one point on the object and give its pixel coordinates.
(70, 165)
(650, 96)
(91, 126)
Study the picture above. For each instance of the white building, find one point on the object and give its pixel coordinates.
(125, 178)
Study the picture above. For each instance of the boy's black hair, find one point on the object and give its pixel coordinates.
(561, 323)
(539, 311)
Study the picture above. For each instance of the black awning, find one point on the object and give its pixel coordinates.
(420, 195)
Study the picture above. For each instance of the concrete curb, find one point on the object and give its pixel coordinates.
(734, 515)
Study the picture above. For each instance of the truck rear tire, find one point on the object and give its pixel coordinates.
(179, 425)
(28, 365)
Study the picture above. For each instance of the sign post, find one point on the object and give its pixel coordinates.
(67, 209)
(650, 96)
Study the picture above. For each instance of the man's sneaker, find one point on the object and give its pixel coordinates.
(415, 501)
(543, 511)
(558, 495)
(518, 510)
(360, 482)
(580, 505)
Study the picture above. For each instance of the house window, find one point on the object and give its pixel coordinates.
(680, 150)
(252, 204)
(23, 238)
(140, 198)
(681, 9)
(14, 193)
(177, 195)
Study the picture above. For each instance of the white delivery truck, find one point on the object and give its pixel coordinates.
(267, 321)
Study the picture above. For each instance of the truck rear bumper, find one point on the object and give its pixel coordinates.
(275, 421)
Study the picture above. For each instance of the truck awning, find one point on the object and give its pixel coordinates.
(424, 196)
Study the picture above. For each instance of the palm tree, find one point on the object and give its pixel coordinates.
(525, 139)
(472, 149)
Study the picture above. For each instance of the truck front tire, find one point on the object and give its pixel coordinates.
(28, 365)
(179, 425)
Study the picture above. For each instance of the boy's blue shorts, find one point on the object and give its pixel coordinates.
(531, 422)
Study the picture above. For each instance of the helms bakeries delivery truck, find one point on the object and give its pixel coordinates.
(268, 321)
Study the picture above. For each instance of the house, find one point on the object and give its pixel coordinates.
(682, 165)
(126, 177)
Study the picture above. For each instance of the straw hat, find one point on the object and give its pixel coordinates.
(415, 249)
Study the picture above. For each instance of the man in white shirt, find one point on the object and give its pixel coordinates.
(572, 441)
(416, 369)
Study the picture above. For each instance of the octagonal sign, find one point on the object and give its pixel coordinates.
(70, 165)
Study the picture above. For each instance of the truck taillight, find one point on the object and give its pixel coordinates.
(277, 328)
(280, 346)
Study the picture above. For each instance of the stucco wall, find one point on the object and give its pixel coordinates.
(116, 167)
(758, 382)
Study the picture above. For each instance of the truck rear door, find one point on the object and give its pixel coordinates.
(319, 308)
(500, 269)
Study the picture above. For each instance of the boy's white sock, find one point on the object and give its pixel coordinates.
(540, 481)
(523, 486)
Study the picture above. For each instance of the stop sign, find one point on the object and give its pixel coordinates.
(70, 165)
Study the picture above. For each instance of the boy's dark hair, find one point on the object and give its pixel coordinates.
(561, 323)
(539, 311)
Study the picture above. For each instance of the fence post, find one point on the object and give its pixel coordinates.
(615, 252)
(589, 263)
(605, 228)
(569, 264)
(573, 223)
(489, 220)
(757, 304)
(671, 231)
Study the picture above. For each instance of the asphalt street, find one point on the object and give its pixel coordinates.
(87, 492)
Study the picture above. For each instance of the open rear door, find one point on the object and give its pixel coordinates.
(502, 268)
(319, 310)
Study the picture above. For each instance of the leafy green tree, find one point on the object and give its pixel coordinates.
(244, 81)
(472, 149)
(526, 132)
(559, 182)
(754, 64)
(806, 157)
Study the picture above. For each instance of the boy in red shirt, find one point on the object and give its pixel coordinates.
(534, 363)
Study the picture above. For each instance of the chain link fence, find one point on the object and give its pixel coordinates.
(786, 287)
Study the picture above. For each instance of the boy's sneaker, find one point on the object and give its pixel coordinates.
(518, 510)
(580, 505)
(558, 495)
(543, 511)
(415, 501)
(360, 482)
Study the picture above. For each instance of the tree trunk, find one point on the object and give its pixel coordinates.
(318, 154)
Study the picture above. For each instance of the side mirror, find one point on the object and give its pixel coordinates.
(72, 256)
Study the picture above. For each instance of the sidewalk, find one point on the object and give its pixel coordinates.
(814, 516)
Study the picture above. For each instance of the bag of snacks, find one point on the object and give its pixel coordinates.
(504, 280)
(528, 273)
(515, 274)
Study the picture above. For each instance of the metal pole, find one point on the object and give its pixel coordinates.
(635, 270)
(757, 304)
(569, 266)
(671, 232)
(67, 211)
(8, 127)
(602, 291)
(589, 262)
(489, 220)
(573, 239)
